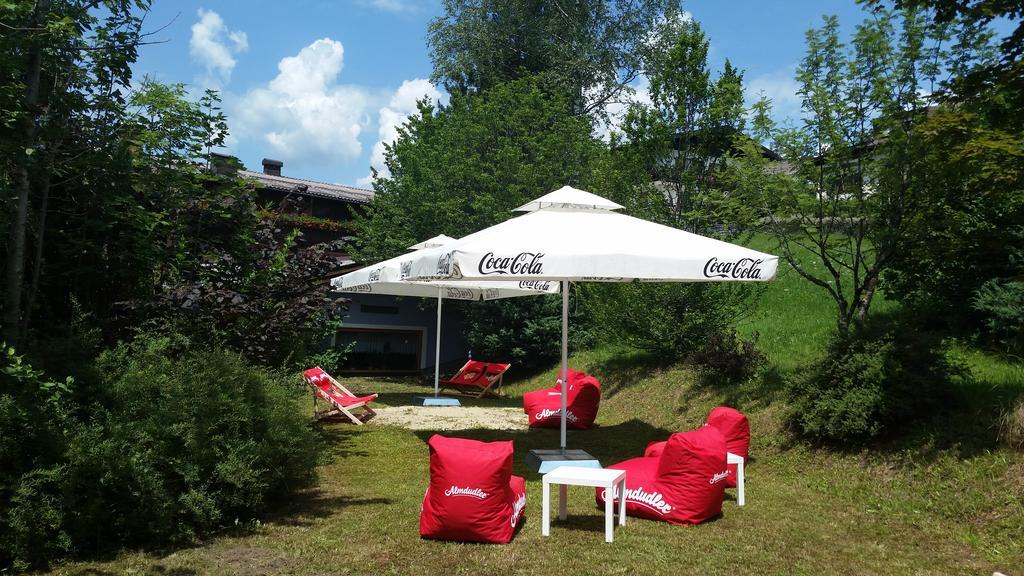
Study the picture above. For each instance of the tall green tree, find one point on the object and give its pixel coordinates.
(975, 81)
(961, 263)
(664, 165)
(459, 168)
(593, 48)
(65, 69)
(683, 138)
(851, 181)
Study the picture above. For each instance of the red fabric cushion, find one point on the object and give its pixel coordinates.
(736, 429)
(472, 496)
(684, 485)
(544, 407)
(654, 449)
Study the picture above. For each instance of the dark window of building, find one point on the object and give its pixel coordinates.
(375, 309)
(381, 350)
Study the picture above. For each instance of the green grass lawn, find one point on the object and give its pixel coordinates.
(924, 505)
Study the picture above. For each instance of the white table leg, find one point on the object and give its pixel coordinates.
(609, 514)
(545, 522)
(563, 495)
(622, 501)
(740, 496)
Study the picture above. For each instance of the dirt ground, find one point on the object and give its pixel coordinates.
(446, 418)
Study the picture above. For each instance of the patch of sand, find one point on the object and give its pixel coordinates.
(445, 418)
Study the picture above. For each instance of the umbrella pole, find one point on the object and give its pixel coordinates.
(437, 345)
(565, 354)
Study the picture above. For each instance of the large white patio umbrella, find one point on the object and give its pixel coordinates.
(387, 278)
(571, 235)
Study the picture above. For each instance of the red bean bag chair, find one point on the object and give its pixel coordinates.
(684, 484)
(736, 429)
(733, 425)
(473, 496)
(545, 406)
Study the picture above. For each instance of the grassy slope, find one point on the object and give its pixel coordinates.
(929, 506)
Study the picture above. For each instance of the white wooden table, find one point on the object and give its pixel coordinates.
(596, 477)
(738, 460)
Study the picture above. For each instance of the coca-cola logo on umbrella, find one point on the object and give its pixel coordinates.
(523, 264)
(742, 269)
(538, 285)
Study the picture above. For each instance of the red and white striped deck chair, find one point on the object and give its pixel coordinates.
(477, 378)
(342, 399)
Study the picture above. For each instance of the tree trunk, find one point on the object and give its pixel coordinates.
(870, 286)
(22, 187)
(37, 261)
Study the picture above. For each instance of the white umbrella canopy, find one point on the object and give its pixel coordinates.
(573, 235)
(387, 278)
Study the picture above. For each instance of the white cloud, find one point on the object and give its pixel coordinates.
(391, 117)
(394, 6)
(639, 92)
(215, 47)
(781, 88)
(303, 115)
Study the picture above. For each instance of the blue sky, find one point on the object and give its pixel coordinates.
(321, 84)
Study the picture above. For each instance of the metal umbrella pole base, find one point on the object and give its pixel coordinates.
(544, 461)
(436, 401)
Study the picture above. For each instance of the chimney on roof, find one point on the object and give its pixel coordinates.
(272, 167)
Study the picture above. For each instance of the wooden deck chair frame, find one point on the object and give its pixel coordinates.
(358, 419)
(470, 388)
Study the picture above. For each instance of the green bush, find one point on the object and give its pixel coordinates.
(524, 331)
(670, 319)
(1002, 306)
(872, 383)
(33, 416)
(185, 444)
(726, 356)
(177, 444)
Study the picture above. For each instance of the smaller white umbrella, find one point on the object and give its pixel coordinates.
(388, 278)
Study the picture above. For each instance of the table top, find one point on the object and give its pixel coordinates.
(583, 476)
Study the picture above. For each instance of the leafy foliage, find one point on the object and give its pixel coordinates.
(591, 49)
(180, 443)
(665, 168)
(726, 356)
(462, 167)
(873, 382)
(63, 77)
(1002, 303)
(665, 318)
(523, 331)
(967, 233)
(33, 417)
(849, 185)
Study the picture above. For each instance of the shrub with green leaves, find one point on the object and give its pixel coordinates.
(872, 383)
(523, 331)
(176, 444)
(664, 318)
(188, 441)
(1002, 304)
(725, 356)
(33, 415)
